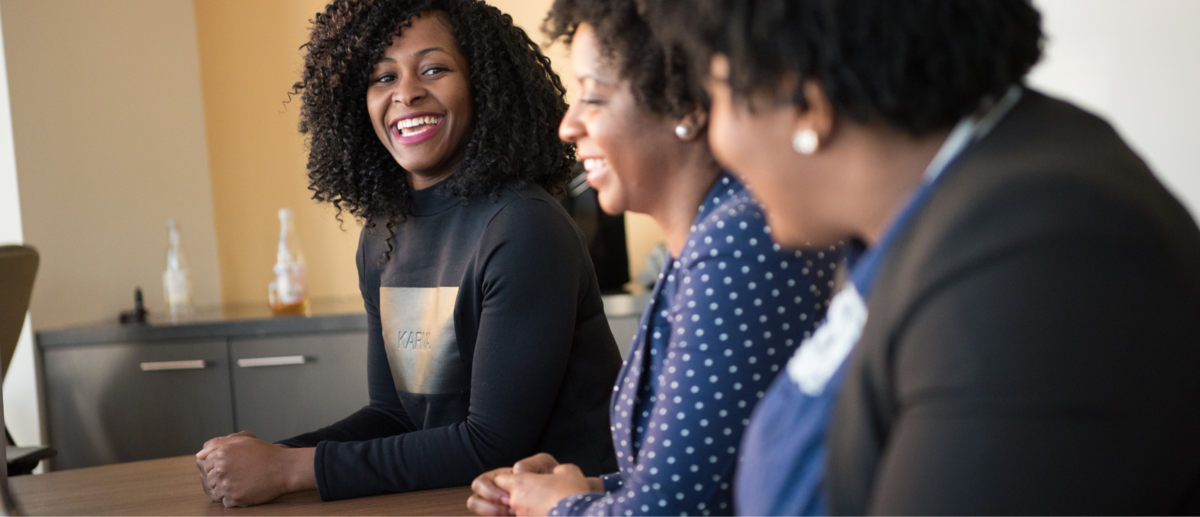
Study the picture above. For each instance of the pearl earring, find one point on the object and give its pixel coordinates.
(805, 141)
(682, 132)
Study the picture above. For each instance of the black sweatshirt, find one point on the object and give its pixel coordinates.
(487, 343)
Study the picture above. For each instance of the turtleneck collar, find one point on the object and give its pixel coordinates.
(433, 200)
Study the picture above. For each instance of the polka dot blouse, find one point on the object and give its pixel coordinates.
(723, 320)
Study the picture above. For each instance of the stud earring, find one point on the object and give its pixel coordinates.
(805, 141)
(682, 132)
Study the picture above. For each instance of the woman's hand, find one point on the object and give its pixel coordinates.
(536, 494)
(540, 463)
(490, 499)
(241, 470)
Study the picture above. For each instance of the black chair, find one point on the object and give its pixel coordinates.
(18, 266)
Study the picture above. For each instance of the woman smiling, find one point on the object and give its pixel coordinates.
(435, 123)
(726, 312)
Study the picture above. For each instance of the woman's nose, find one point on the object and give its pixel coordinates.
(571, 129)
(408, 91)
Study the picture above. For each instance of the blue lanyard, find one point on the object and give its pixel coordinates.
(866, 267)
(824, 353)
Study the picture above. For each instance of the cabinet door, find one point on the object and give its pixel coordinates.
(285, 386)
(126, 402)
(624, 328)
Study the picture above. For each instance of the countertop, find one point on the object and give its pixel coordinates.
(256, 320)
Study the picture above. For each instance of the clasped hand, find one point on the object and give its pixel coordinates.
(531, 487)
(241, 470)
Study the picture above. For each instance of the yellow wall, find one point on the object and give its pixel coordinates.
(249, 59)
(641, 231)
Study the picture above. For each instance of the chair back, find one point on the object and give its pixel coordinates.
(18, 266)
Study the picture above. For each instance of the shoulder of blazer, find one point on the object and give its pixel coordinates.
(1047, 171)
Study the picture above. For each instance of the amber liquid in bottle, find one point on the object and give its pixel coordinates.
(283, 309)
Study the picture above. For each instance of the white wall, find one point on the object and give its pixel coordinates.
(1136, 63)
(20, 386)
(108, 131)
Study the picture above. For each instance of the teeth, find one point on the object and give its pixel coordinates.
(416, 121)
(594, 163)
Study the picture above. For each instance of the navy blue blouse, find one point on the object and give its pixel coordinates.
(723, 319)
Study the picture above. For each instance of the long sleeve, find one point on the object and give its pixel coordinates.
(532, 277)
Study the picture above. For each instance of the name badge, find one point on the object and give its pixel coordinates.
(819, 356)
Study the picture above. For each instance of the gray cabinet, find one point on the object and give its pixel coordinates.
(125, 402)
(624, 314)
(624, 328)
(284, 386)
(117, 393)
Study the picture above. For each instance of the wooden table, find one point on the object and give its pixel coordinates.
(171, 486)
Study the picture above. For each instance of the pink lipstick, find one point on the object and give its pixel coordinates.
(415, 128)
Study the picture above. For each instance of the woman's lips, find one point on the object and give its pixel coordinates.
(415, 130)
(596, 169)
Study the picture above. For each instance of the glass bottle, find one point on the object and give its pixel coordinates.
(288, 293)
(177, 281)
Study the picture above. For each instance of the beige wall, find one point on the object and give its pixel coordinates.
(108, 128)
(249, 59)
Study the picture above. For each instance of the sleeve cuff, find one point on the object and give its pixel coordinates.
(319, 472)
(575, 504)
(294, 443)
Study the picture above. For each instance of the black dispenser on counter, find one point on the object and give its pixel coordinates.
(138, 314)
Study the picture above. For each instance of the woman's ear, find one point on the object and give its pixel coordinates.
(692, 125)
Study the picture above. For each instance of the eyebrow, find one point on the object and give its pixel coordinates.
(422, 53)
(419, 54)
(597, 80)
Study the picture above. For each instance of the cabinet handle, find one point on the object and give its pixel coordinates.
(197, 364)
(271, 361)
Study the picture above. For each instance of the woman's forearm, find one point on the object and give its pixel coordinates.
(298, 469)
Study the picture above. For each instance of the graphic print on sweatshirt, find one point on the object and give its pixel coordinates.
(419, 336)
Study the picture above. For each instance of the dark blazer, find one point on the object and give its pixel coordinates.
(1033, 345)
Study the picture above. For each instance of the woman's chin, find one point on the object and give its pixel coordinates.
(609, 204)
(792, 236)
(800, 242)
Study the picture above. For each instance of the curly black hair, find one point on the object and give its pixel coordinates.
(918, 65)
(658, 74)
(517, 97)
